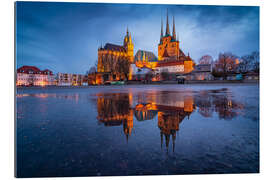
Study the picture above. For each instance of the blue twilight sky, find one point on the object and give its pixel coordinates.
(64, 37)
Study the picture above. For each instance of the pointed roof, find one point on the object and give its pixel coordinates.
(167, 25)
(161, 33)
(174, 35)
(165, 54)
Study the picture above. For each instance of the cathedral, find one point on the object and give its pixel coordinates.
(171, 58)
(169, 53)
(111, 53)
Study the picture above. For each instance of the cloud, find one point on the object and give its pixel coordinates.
(66, 36)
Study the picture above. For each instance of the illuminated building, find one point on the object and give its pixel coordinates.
(110, 54)
(114, 110)
(33, 76)
(145, 59)
(66, 79)
(169, 51)
(171, 58)
(201, 72)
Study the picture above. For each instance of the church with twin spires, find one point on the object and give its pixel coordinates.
(170, 58)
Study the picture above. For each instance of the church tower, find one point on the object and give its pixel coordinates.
(168, 47)
(129, 46)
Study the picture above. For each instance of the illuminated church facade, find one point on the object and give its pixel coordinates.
(170, 58)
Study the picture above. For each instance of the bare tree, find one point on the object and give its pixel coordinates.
(250, 63)
(164, 75)
(123, 67)
(91, 70)
(206, 59)
(149, 75)
(243, 65)
(255, 61)
(225, 63)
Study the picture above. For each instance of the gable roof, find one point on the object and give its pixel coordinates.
(181, 53)
(33, 70)
(165, 54)
(114, 47)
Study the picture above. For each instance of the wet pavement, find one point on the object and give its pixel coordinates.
(137, 130)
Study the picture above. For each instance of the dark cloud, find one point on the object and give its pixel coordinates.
(65, 36)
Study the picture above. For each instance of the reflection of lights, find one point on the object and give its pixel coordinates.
(22, 95)
(230, 103)
(42, 95)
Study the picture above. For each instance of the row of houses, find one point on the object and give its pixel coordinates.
(33, 76)
(174, 70)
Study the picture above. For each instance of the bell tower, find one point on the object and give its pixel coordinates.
(168, 48)
(129, 46)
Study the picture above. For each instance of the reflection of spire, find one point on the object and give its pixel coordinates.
(167, 138)
(174, 137)
(127, 137)
(161, 139)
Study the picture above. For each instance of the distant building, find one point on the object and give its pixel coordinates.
(145, 59)
(33, 76)
(66, 79)
(143, 73)
(170, 67)
(201, 72)
(252, 76)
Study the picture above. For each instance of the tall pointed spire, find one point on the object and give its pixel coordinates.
(127, 30)
(167, 25)
(174, 35)
(161, 33)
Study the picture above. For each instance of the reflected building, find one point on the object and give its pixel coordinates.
(116, 109)
(170, 108)
(219, 101)
(144, 112)
(170, 117)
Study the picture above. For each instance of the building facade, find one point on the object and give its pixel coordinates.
(66, 79)
(145, 59)
(170, 57)
(169, 50)
(201, 72)
(33, 76)
(111, 54)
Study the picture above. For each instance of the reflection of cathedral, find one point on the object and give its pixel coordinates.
(168, 123)
(116, 109)
(170, 108)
